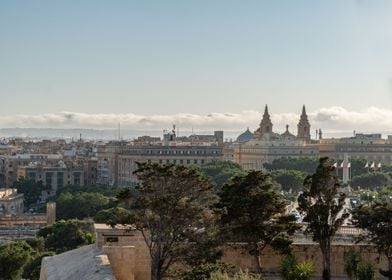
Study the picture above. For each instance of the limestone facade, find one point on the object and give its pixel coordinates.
(11, 202)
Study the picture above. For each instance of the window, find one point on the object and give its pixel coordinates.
(60, 179)
(111, 239)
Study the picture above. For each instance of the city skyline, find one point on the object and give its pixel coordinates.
(334, 121)
(196, 58)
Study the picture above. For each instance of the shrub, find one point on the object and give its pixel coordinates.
(292, 270)
(237, 276)
(351, 262)
(204, 271)
(365, 271)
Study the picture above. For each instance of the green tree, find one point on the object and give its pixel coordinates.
(221, 171)
(365, 271)
(33, 268)
(172, 213)
(304, 164)
(80, 205)
(113, 216)
(31, 189)
(371, 180)
(351, 261)
(323, 207)
(67, 235)
(74, 189)
(253, 212)
(290, 180)
(13, 257)
(291, 269)
(377, 223)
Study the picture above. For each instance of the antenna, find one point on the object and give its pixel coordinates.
(119, 131)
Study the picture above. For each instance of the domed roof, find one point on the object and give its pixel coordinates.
(287, 132)
(245, 136)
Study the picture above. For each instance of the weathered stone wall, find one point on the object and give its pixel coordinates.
(127, 252)
(122, 260)
(270, 259)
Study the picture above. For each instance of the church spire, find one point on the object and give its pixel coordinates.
(266, 115)
(265, 125)
(304, 125)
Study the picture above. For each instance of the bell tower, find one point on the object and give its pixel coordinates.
(265, 125)
(304, 125)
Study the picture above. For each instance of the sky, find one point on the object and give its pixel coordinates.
(207, 63)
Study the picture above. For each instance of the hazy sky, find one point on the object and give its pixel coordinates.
(198, 57)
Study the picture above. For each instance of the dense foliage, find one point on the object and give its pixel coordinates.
(13, 258)
(290, 180)
(322, 205)
(80, 205)
(113, 216)
(304, 164)
(67, 235)
(106, 191)
(172, 208)
(291, 269)
(221, 171)
(372, 180)
(376, 219)
(31, 189)
(253, 212)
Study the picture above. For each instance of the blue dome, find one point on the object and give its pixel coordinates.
(246, 136)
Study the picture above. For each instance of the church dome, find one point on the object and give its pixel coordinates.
(287, 133)
(245, 136)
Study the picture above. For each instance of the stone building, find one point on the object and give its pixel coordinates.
(60, 174)
(371, 147)
(119, 253)
(118, 160)
(11, 202)
(267, 145)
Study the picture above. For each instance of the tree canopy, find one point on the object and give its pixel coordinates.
(323, 207)
(80, 205)
(221, 171)
(372, 180)
(67, 235)
(253, 212)
(376, 220)
(172, 213)
(13, 258)
(290, 180)
(304, 164)
(31, 189)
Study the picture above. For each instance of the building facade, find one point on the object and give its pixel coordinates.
(265, 146)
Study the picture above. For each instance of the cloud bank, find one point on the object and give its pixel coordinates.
(336, 119)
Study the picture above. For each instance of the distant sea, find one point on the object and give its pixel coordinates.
(126, 134)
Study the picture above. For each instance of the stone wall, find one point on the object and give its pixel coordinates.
(126, 250)
(129, 255)
(270, 259)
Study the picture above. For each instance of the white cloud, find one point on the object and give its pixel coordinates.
(371, 119)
